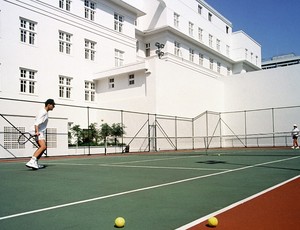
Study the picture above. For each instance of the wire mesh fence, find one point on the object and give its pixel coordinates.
(144, 132)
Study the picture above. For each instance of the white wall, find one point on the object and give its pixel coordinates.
(186, 90)
(262, 89)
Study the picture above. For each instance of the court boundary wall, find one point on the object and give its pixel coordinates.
(145, 132)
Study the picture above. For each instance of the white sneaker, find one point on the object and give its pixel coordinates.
(32, 164)
(293, 147)
(297, 147)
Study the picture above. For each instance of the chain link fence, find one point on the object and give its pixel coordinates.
(145, 132)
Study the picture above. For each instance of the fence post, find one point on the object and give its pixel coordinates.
(245, 115)
(193, 134)
(206, 129)
(89, 135)
(149, 134)
(155, 134)
(220, 119)
(122, 125)
(273, 127)
(176, 133)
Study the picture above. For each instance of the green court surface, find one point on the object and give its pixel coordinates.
(165, 190)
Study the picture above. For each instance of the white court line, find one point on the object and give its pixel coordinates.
(161, 167)
(156, 159)
(204, 218)
(140, 189)
(143, 166)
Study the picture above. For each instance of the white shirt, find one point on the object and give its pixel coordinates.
(295, 132)
(41, 120)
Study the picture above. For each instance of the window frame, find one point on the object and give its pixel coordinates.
(89, 91)
(111, 82)
(191, 29)
(28, 81)
(176, 20)
(89, 49)
(28, 31)
(176, 48)
(65, 5)
(119, 58)
(191, 55)
(118, 22)
(65, 87)
(131, 79)
(65, 42)
(148, 49)
(89, 10)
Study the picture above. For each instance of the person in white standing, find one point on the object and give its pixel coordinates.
(39, 130)
(295, 134)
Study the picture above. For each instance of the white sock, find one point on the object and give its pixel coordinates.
(33, 158)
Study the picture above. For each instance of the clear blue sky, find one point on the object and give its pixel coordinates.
(274, 24)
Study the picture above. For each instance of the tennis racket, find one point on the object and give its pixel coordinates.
(25, 137)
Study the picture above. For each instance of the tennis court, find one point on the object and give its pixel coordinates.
(163, 190)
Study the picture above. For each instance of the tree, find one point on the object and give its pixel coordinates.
(117, 130)
(92, 134)
(77, 132)
(105, 131)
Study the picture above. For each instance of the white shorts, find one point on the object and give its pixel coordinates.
(41, 136)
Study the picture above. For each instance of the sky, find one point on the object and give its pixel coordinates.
(274, 24)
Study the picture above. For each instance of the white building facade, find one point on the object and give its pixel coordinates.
(157, 56)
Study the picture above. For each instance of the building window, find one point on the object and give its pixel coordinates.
(89, 10)
(210, 40)
(90, 90)
(200, 34)
(148, 49)
(131, 79)
(89, 51)
(209, 17)
(65, 87)
(176, 48)
(227, 29)
(111, 83)
(218, 67)
(65, 42)
(199, 9)
(228, 71)
(137, 46)
(246, 54)
(218, 44)
(176, 20)
(27, 81)
(191, 29)
(118, 22)
(227, 50)
(191, 56)
(51, 137)
(65, 4)
(11, 136)
(211, 63)
(119, 58)
(200, 59)
(27, 31)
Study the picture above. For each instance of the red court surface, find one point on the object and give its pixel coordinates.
(278, 209)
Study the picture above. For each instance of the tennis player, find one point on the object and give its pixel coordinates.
(295, 134)
(39, 129)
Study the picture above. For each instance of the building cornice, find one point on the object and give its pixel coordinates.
(187, 38)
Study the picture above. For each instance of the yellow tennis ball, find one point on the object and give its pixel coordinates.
(119, 222)
(213, 222)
